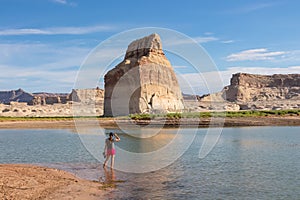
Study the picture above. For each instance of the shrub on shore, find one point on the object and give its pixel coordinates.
(171, 116)
(247, 113)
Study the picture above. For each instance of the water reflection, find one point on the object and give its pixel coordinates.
(139, 142)
(141, 150)
(109, 178)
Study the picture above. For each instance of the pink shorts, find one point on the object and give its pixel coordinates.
(111, 152)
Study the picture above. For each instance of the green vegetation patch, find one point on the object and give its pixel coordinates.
(170, 116)
(246, 113)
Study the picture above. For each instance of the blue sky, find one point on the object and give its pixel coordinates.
(44, 42)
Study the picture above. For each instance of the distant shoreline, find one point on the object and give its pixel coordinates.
(70, 123)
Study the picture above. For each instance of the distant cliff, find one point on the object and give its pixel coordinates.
(80, 102)
(251, 91)
(250, 87)
(15, 95)
(44, 98)
(87, 96)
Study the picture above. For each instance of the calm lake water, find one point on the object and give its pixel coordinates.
(246, 163)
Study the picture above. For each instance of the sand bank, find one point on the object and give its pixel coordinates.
(18, 181)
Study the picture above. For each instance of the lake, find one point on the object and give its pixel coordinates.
(246, 163)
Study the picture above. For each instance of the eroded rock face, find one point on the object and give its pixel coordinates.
(80, 102)
(143, 82)
(87, 96)
(15, 95)
(48, 98)
(250, 87)
(87, 102)
(259, 92)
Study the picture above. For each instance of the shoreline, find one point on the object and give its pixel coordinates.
(26, 181)
(170, 123)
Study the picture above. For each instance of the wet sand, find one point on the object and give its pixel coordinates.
(20, 181)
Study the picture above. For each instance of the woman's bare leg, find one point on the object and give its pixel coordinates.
(107, 157)
(112, 161)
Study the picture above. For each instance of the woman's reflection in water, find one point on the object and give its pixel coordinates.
(109, 178)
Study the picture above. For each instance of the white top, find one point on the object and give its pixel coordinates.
(149, 42)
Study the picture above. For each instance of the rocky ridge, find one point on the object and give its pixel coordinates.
(259, 92)
(80, 102)
(15, 95)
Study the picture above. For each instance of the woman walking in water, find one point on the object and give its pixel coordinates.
(109, 149)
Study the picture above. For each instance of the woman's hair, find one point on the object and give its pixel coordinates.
(111, 134)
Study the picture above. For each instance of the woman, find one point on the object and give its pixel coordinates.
(109, 148)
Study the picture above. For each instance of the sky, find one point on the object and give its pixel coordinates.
(43, 43)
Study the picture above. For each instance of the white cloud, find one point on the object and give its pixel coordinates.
(202, 83)
(292, 56)
(81, 30)
(208, 37)
(60, 1)
(255, 7)
(202, 40)
(37, 80)
(255, 54)
(227, 41)
(52, 67)
(64, 2)
(208, 33)
(180, 67)
(266, 70)
(182, 41)
(39, 67)
(252, 7)
(211, 82)
(55, 56)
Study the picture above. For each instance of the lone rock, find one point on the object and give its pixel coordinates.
(144, 82)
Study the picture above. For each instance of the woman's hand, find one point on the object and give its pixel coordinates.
(117, 137)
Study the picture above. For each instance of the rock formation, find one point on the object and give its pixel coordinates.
(80, 102)
(249, 87)
(250, 91)
(15, 95)
(44, 98)
(87, 96)
(87, 102)
(6, 97)
(143, 82)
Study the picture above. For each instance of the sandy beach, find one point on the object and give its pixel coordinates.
(19, 181)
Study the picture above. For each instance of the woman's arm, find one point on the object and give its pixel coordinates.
(105, 147)
(117, 138)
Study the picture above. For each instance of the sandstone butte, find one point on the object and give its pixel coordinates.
(144, 82)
